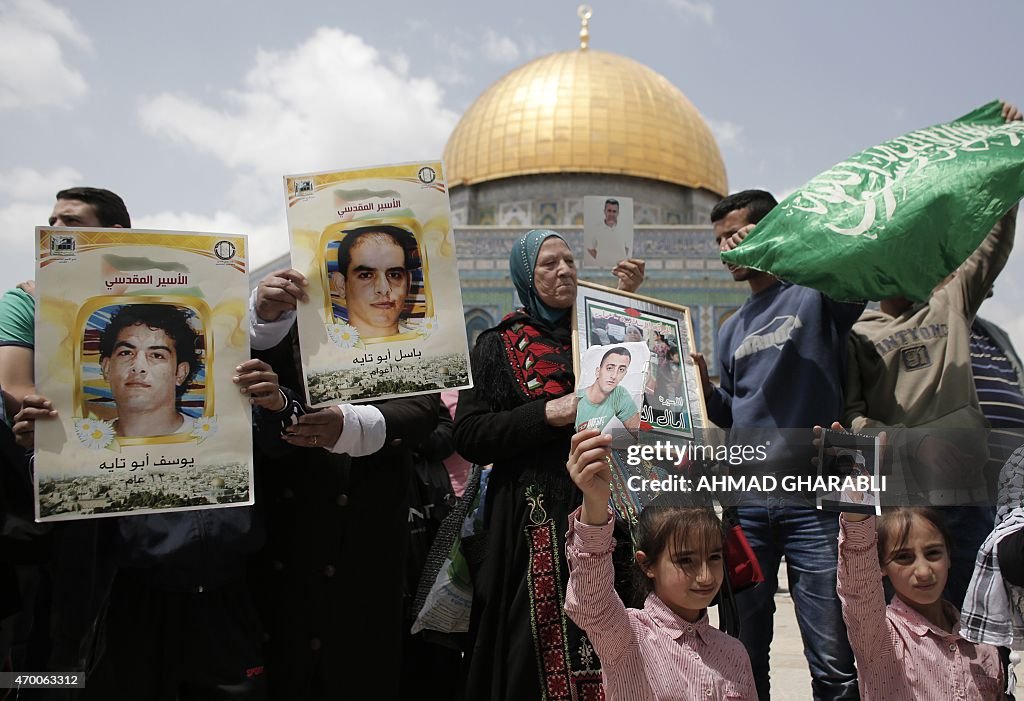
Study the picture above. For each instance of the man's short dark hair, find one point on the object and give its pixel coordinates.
(402, 238)
(757, 203)
(617, 350)
(170, 319)
(109, 207)
(611, 201)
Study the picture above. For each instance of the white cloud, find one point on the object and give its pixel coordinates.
(29, 184)
(701, 10)
(727, 134)
(1004, 306)
(33, 69)
(267, 239)
(451, 47)
(459, 51)
(332, 102)
(498, 48)
(785, 192)
(532, 49)
(41, 14)
(1013, 325)
(29, 194)
(18, 222)
(1010, 320)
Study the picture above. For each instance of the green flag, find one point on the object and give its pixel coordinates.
(898, 217)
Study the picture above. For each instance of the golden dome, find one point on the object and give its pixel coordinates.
(584, 111)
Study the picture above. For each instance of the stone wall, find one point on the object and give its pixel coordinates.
(557, 200)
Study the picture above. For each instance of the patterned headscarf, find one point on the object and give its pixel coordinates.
(521, 263)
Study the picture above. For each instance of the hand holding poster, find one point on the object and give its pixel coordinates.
(848, 473)
(138, 334)
(898, 217)
(385, 312)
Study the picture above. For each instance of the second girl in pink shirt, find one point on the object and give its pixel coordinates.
(666, 650)
(909, 650)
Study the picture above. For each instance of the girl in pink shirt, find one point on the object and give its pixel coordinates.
(666, 650)
(910, 649)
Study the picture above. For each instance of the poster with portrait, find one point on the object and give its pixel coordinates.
(610, 388)
(385, 312)
(672, 410)
(848, 476)
(607, 231)
(138, 334)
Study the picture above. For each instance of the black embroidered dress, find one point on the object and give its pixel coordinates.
(524, 646)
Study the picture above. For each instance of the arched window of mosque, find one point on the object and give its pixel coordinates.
(477, 321)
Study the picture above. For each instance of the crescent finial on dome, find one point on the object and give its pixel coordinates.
(584, 13)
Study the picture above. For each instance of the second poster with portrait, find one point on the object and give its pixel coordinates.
(385, 312)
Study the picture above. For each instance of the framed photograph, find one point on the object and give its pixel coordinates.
(385, 314)
(138, 334)
(848, 473)
(607, 231)
(658, 335)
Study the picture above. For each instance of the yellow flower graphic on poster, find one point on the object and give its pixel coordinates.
(137, 337)
(377, 248)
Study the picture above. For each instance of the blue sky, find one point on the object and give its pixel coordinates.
(193, 110)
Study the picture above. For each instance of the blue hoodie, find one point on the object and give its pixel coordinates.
(783, 360)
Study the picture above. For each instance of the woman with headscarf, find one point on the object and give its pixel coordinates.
(519, 416)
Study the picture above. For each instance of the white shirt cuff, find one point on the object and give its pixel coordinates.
(364, 432)
(267, 334)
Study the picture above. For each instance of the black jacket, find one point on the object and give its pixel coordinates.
(329, 582)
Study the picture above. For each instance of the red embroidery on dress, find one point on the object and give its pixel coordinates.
(537, 362)
(558, 680)
(590, 690)
(558, 687)
(542, 563)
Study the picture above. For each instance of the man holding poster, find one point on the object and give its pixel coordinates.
(134, 361)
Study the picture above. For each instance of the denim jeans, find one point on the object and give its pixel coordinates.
(809, 540)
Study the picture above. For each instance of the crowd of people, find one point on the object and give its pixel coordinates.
(304, 595)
